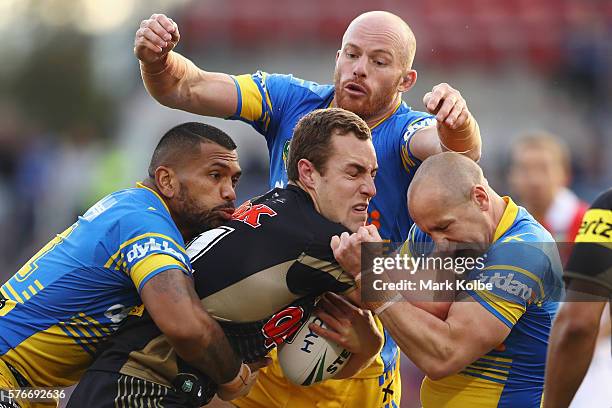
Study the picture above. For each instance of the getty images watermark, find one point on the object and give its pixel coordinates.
(407, 264)
(423, 272)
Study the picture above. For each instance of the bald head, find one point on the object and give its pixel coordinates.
(445, 178)
(391, 25)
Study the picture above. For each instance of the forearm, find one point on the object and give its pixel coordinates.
(164, 78)
(209, 351)
(465, 139)
(569, 356)
(424, 338)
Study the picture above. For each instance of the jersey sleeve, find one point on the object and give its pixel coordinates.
(409, 160)
(591, 258)
(149, 245)
(261, 100)
(516, 274)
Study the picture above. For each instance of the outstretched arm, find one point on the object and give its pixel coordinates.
(175, 81)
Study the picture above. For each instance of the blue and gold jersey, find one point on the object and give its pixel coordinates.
(524, 270)
(273, 104)
(78, 288)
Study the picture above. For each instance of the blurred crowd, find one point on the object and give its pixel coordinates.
(76, 123)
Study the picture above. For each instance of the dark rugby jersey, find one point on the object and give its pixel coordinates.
(591, 259)
(258, 275)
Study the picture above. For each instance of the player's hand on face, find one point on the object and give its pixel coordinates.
(155, 38)
(347, 248)
(347, 325)
(447, 104)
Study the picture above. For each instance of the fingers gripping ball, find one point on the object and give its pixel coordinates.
(309, 358)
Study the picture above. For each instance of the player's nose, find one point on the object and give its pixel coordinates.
(360, 66)
(368, 188)
(228, 192)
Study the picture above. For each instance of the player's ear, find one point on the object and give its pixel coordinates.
(409, 78)
(166, 181)
(480, 196)
(338, 55)
(307, 173)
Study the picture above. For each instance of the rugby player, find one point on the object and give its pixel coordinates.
(58, 308)
(373, 70)
(576, 327)
(540, 173)
(259, 273)
(490, 351)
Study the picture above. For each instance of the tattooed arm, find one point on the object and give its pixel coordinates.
(172, 302)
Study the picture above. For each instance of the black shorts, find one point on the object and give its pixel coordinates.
(102, 389)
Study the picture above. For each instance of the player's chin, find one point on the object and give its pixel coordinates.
(358, 106)
(355, 221)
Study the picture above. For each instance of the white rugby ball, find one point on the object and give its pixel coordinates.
(308, 358)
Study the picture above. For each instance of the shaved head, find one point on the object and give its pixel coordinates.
(393, 26)
(445, 179)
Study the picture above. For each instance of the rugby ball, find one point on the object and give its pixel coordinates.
(308, 358)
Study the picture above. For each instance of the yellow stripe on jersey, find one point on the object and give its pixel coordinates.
(8, 306)
(150, 264)
(488, 367)
(49, 358)
(521, 271)
(95, 323)
(113, 257)
(486, 372)
(501, 360)
(31, 266)
(507, 219)
(15, 296)
(251, 108)
(510, 310)
(84, 325)
(596, 227)
(517, 237)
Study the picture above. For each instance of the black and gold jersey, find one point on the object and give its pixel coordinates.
(258, 275)
(591, 259)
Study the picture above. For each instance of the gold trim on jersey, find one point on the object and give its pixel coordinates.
(510, 310)
(141, 185)
(151, 263)
(507, 219)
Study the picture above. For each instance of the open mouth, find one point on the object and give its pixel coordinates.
(361, 208)
(355, 89)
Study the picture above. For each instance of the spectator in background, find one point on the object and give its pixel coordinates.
(540, 174)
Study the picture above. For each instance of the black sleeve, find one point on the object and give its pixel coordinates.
(591, 258)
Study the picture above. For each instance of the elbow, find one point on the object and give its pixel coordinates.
(442, 365)
(569, 328)
(186, 334)
(441, 369)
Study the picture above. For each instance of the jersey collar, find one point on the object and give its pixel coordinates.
(507, 218)
(140, 185)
